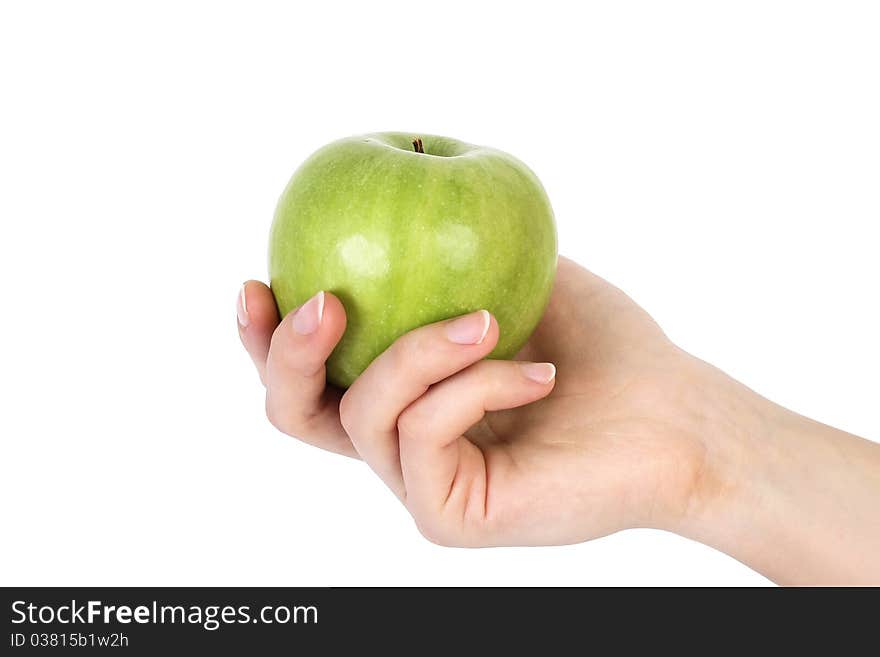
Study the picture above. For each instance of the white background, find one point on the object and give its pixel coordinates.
(718, 161)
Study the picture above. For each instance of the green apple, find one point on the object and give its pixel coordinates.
(412, 229)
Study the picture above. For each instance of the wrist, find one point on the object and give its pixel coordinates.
(716, 446)
(790, 497)
(743, 442)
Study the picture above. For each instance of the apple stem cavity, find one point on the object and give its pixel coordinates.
(417, 145)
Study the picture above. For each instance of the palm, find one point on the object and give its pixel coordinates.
(604, 430)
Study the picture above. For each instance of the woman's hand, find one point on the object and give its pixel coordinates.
(480, 451)
(631, 432)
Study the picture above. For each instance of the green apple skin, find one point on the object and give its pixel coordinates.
(406, 238)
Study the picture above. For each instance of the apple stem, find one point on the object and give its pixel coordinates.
(417, 145)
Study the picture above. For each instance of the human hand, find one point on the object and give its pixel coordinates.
(631, 432)
(465, 443)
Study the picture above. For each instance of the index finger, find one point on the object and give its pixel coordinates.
(402, 374)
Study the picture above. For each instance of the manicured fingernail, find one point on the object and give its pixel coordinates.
(538, 372)
(470, 329)
(307, 319)
(241, 307)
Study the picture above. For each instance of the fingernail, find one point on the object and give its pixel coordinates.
(307, 319)
(470, 329)
(538, 372)
(241, 307)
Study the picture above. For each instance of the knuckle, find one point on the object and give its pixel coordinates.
(293, 422)
(482, 373)
(302, 363)
(288, 357)
(438, 533)
(407, 350)
(276, 416)
(409, 423)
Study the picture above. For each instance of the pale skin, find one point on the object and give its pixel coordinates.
(601, 424)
